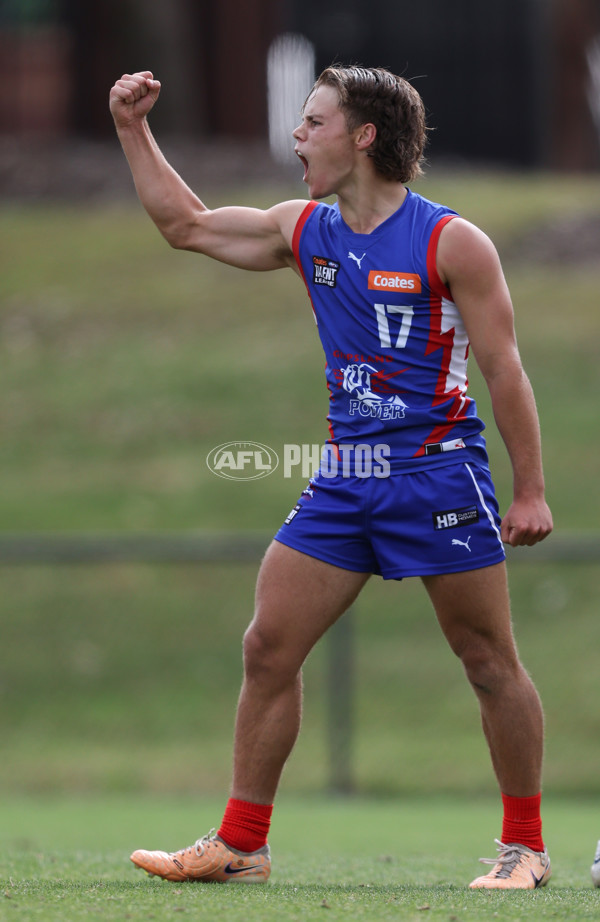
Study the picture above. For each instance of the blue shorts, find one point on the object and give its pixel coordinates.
(419, 523)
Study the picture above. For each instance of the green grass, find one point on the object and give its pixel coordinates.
(373, 860)
(115, 673)
(122, 364)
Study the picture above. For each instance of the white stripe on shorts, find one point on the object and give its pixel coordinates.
(482, 501)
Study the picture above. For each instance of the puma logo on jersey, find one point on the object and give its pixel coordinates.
(463, 543)
(355, 258)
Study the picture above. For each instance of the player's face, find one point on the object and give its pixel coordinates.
(324, 144)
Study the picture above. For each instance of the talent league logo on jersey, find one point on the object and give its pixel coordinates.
(394, 281)
(325, 271)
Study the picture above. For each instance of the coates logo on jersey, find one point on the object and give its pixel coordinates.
(325, 271)
(394, 281)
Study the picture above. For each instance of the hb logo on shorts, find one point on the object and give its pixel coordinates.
(455, 518)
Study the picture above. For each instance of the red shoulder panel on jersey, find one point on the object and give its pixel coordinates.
(435, 282)
(298, 233)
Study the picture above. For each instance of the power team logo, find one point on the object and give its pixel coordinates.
(325, 271)
(394, 281)
(359, 382)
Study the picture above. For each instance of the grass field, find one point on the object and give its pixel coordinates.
(122, 364)
(109, 677)
(370, 859)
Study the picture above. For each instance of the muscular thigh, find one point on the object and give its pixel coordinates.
(474, 603)
(299, 597)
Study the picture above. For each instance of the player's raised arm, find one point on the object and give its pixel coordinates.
(469, 264)
(245, 237)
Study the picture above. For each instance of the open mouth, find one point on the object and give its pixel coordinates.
(304, 164)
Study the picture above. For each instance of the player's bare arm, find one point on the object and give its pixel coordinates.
(249, 238)
(470, 266)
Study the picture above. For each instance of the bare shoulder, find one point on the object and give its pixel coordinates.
(286, 215)
(467, 261)
(464, 249)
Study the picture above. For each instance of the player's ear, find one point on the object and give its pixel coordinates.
(365, 136)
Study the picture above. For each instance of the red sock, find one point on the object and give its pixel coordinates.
(245, 826)
(522, 823)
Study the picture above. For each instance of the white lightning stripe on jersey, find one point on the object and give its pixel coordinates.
(488, 512)
(457, 369)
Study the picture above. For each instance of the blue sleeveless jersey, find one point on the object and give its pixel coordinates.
(395, 343)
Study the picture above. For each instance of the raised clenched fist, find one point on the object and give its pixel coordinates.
(132, 97)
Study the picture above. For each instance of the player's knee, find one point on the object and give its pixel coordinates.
(488, 665)
(256, 648)
(264, 655)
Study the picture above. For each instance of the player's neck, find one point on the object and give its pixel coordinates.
(366, 207)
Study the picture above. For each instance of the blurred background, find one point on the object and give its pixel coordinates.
(126, 566)
(514, 82)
